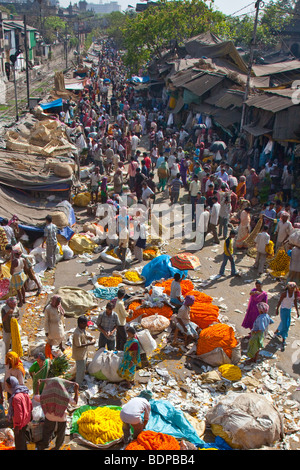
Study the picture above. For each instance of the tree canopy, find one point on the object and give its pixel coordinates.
(147, 34)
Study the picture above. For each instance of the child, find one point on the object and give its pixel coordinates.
(259, 331)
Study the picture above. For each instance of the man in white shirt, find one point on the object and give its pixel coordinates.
(171, 161)
(146, 195)
(262, 239)
(134, 144)
(195, 187)
(214, 220)
(222, 175)
(135, 413)
(202, 227)
(182, 136)
(283, 230)
(122, 314)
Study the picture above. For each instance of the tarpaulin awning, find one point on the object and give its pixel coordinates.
(136, 79)
(29, 173)
(74, 86)
(31, 212)
(53, 104)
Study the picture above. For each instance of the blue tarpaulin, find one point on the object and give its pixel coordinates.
(165, 418)
(136, 79)
(160, 267)
(53, 104)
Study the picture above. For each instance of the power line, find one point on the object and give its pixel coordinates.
(241, 9)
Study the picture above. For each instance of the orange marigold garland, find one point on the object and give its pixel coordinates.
(165, 311)
(186, 286)
(150, 440)
(219, 335)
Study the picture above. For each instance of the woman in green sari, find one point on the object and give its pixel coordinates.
(39, 370)
(131, 359)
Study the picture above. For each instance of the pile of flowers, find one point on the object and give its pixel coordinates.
(165, 310)
(100, 425)
(279, 266)
(133, 276)
(112, 281)
(150, 440)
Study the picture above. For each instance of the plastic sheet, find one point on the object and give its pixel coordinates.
(166, 419)
(159, 268)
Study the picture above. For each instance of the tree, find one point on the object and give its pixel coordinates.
(150, 32)
(274, 17)
(52, 27)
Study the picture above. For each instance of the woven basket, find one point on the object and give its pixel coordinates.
(59, 219)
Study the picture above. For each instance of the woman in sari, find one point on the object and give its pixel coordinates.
(244, 228)
(13, 368)
(131, 359)
(257, 295)
(54, 324)
(39, 370)
(241, 188)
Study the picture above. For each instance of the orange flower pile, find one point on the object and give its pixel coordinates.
(203, 312)
(150, 440)
(215, 336)
(112, 281)
(186, 286)
(165, 311)
(4, 447)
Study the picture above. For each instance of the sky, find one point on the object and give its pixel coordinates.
(226, 6)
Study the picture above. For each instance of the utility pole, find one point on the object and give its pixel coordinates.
(66, 40)
(13, 59)
(253, 43)
(16, 97)
(26, 58)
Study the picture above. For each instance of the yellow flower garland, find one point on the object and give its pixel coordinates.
(100, 425)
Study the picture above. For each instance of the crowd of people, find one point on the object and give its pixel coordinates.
(128, 140)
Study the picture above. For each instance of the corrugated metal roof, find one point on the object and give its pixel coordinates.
(227, 118)
(222, 116)
(256, 130)
(183, 77)
(226, 98)
(204, 83)
(279, 67)
(270, 102)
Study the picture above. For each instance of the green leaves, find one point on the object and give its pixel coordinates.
(148, 34)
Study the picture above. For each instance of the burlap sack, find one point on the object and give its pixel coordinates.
(63, 170)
